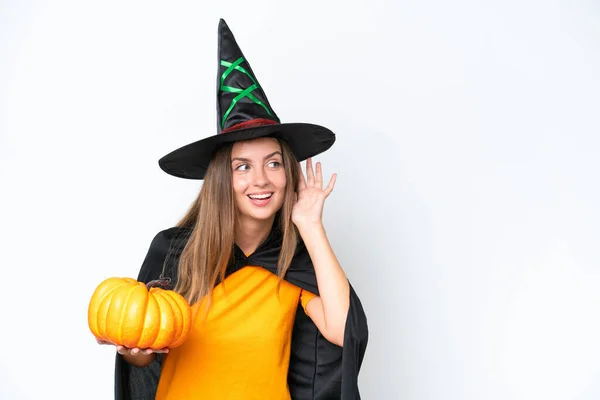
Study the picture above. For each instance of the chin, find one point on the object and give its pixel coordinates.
(262, 215)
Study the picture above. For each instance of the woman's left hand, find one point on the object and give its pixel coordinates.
(308, 209)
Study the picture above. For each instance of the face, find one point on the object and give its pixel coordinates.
(258, 178)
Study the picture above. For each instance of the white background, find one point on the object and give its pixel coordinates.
(465, 213)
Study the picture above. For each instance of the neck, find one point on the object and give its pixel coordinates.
(250, 233)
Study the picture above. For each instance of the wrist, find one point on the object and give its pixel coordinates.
(310, 227)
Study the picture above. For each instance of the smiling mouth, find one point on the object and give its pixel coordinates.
(262, 196)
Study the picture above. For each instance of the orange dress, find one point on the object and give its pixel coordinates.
(241, 348)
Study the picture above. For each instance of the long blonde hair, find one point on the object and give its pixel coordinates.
(212, 218)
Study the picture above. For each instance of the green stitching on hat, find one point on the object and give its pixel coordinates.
(231, 67)
(241, 92)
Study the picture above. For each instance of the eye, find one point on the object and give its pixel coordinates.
(242, 167)
(274, 164)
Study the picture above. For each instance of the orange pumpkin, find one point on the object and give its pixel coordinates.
(125, 312)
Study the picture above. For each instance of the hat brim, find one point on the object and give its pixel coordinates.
(191, 161)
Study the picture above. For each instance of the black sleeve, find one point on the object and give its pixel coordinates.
(320, 370)
(356, 336)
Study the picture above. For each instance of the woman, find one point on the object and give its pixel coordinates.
(274, 314)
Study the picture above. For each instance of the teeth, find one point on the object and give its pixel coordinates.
(260, 196)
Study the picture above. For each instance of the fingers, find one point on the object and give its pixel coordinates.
(124, 350)
(301, 178)
(150, 351)
(310, 174)
(319, 176)
(314, 177)
(331, 184)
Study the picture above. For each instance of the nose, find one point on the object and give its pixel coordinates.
(260, 177)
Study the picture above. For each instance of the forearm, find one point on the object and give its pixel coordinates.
(334, 289)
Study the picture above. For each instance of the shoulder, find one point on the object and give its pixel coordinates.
(166, 246)
(169, 241)
(170, 234)
(305, 298)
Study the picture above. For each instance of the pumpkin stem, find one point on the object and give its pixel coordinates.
(161, 282)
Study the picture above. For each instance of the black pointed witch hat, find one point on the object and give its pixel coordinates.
(243, 112)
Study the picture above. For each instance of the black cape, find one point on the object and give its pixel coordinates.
(318, 369)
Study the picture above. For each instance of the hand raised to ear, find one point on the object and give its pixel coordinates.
(308, 208)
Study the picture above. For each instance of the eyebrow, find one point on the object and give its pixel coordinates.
(248, 160)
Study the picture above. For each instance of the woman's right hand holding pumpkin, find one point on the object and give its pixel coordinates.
(135, 356)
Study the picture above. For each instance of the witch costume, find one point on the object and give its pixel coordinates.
(317, 369)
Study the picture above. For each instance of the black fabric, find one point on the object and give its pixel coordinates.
(318, 370)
